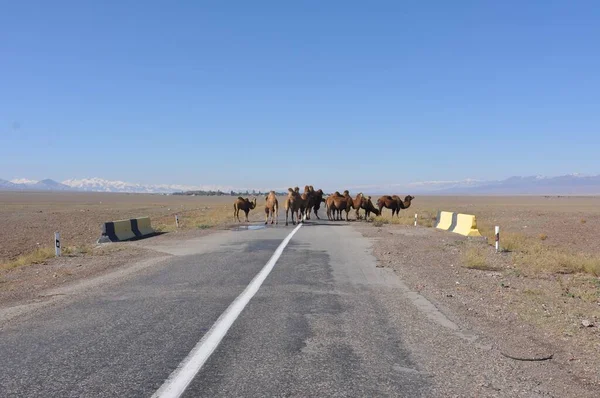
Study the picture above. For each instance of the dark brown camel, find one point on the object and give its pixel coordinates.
(243, 204)
(369, 208)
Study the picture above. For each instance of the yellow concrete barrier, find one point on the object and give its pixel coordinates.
(444, 220)
(463, 224)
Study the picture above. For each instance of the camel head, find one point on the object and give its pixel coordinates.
(253, 203)
(346, 192)
(408, 198)
(297, 190)
(311, 188)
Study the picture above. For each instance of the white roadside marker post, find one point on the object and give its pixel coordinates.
(497, 239)
(57, 244)
(416, 219)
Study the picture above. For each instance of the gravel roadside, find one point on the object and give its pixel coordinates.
(522, 317)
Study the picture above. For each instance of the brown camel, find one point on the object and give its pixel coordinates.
(272, 208)
(394, 203)
(243, 204)
(292, 204)
(307, 202)
(329, 204)
(337, 203)
(357, 203)
(368, 207)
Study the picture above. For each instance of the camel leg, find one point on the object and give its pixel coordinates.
(347, 212)
(286, 217)
(316, 213)
(276, 215)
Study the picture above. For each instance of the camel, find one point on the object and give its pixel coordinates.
(242, 204)
(317, 200)
(307, 201)
(271, 208)
(368, 207)
(293, 204)
(336, 203)
(357, 203)
(394, 203)
(330, 205)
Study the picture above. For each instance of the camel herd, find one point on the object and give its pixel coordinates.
(300, 205)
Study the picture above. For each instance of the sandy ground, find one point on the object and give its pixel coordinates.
(525, 317)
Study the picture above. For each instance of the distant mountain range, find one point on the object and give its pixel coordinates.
(572, 184)
(99, 185)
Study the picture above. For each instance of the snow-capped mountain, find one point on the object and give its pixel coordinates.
(102, 185)
(23, 181)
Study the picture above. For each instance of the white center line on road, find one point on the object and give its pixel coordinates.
(181, 377)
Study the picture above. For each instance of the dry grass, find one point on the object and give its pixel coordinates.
(476, 258)
(538, 258)
(426, 218)
(532, 256)
(36, 257)
(204, 218)
(44, 254)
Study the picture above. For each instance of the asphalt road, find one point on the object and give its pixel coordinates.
(323, 323)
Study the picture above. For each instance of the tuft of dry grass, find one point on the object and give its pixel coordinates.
(475, 258)
(543, 236)
(78, 250)
(36, 257)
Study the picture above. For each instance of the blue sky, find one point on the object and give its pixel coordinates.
(280, 93)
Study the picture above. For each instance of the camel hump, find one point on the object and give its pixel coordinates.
(240, 198)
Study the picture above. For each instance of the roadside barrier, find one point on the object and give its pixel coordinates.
(121, 230)
(463, 224)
